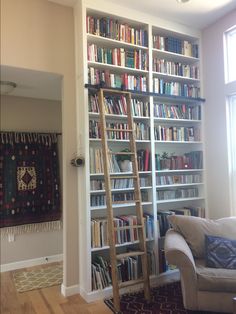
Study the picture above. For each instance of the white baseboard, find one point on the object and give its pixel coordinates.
(68, 291)
(31, 262)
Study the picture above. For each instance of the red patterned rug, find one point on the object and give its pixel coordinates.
(165, 300)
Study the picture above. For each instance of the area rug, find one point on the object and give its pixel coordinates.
(165, 300)
(39, 278)
(29, 178)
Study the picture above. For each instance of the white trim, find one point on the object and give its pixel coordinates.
(31, 262)
(68, 291)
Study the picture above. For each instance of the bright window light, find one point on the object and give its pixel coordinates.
(232, 150)
(230, 54)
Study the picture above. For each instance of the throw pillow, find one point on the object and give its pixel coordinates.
(194, 229)
(220, 252)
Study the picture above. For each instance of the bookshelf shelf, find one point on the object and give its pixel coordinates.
(118, 141)
(157, 96)
(176, 98)
(177, 185)
(117, 117)
(179, 170)
(119, 173)
(175, 121)
(174, 56)
(108, 42)
(162, 112)
(175, 77)
(117, 245)
(120, 206)
(120, 190)
(116, 68)
(178, 142)
(179, 200)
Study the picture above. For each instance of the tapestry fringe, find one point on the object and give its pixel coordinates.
(23, 137)
(30, 228)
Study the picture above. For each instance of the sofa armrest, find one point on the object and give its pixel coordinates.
(177, 250)
(178, 253)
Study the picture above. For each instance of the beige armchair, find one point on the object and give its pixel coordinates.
(203, 288)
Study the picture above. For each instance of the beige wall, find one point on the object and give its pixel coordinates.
(28, 114)
(39, 35)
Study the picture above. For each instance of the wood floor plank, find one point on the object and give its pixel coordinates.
(38, 302)
(43, 301)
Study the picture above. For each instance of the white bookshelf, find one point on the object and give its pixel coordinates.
(152, 205)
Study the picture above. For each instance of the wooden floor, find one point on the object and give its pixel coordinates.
(43, 301)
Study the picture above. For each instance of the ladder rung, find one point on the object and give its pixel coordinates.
(126, 201)
(123, 130)
(130, 283)
(121, 153)
(129, 227)
(123, 177)
(129, 254)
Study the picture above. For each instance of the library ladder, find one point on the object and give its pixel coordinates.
(140, 228)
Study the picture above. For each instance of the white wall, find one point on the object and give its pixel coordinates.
(28, 114)
(215, 117)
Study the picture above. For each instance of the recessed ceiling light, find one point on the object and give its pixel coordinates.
(6, 87)
(182, 1)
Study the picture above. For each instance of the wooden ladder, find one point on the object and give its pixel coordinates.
(140, 228)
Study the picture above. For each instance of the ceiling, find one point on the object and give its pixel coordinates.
(196, 13)
(34, 84)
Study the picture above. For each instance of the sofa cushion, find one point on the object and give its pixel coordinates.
(215, 279)
(194, 229)
(220, 252)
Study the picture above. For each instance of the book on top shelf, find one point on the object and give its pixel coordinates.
(113, 29)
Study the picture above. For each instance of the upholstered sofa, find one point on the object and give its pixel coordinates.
(203, 288)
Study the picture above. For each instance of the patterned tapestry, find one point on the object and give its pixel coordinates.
(29, 179)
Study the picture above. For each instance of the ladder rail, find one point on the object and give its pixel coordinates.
(109, 202)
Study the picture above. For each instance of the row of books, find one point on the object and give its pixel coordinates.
(191, 160)
(100, 234)
(144, 160)
(127, 269)
(141, 131)
(176, 68)
(118, 105)
(162, 216)
(161, 86)
(126, 81)
(177, 194)
(98, 185)
(96, 161)
(174, 133)
(101, 273)
(179, 111)
(178, 179)
(175, 45)
(100, 199)
(132, 58)
(112, 28)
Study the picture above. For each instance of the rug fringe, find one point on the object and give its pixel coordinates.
(11, 232)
